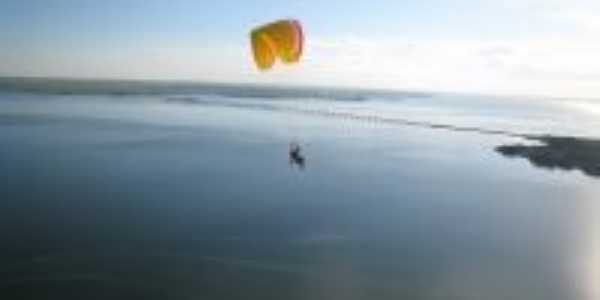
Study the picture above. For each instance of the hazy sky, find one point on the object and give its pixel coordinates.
(548, 47)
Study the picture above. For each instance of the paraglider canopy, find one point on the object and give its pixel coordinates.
(281, 39)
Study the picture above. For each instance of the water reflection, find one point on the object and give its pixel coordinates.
(98, 209)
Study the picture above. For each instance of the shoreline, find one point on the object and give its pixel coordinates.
(558, 152)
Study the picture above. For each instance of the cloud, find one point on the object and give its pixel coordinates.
(544, 66)
(584, 20)
(524, 66)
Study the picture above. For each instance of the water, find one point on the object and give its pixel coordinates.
(187, 193)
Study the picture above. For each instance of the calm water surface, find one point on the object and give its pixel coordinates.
(138, 197)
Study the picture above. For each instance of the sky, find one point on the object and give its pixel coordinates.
(528, 47)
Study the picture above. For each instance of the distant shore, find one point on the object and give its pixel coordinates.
(565, 153)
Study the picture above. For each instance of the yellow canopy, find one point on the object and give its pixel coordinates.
(281, 39)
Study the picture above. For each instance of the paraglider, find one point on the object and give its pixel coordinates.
(283, 40)
(296, 157)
